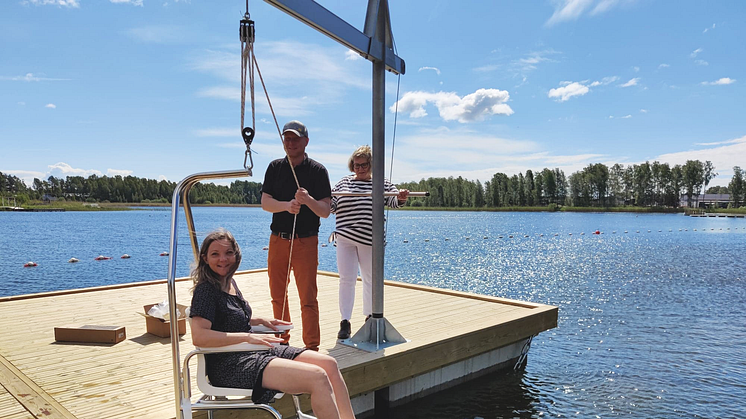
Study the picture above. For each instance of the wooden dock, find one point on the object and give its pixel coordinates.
(718, 215)
(134, 378)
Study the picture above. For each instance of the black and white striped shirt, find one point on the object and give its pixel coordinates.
(354, 214)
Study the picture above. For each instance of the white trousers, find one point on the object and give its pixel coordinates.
(350, 255)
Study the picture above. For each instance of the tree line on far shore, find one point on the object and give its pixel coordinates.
(597, 185)
(125, 189)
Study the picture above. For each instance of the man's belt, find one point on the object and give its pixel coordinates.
(287, 236)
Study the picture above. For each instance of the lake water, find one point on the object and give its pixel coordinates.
(651, 322)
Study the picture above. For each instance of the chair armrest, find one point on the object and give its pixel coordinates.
(238, 347)
(264, 329)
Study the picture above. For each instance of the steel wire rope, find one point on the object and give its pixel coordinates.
(248, 64)
(295, 176)
(393, 145)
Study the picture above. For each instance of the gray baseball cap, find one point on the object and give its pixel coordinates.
(296, 127)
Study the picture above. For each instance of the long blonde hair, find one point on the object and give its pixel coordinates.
(202, 272)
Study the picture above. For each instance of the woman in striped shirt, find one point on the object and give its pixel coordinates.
(354, 234)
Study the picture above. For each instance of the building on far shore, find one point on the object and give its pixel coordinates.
(708, 200)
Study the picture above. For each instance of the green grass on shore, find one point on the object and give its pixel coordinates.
(623, 209)
(554, 208)
(111, 206)
(71, 206)
(124, 206)
(741, 210)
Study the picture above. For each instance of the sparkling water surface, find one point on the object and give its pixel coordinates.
(651, 320)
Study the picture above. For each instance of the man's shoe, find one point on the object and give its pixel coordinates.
(344, 329)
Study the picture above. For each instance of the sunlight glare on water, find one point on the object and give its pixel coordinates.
(650, 324)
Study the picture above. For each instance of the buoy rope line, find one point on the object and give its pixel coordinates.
(499, 236)
(248, 65)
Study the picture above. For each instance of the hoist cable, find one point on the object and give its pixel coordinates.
(297, 184)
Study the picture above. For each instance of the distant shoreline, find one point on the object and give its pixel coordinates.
(132, 206)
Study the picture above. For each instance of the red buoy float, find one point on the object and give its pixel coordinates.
(102, 257)
(597, 232)
(125, 256)
(30, 264)
(164, 254)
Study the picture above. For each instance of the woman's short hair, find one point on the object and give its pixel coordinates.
(362, 151)
(202, 272)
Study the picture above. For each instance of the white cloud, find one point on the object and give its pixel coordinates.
(27, 176)
(605, 5)
(566, 10)
(736, 141)
(436, 70)
(524, 64)
(626, 116)
(63, 170)
(132, 2)
(118, 172)
(707, 29)
(636, 69)
(696, 52)
(664, 65)
(324, 80)
(476, 156)
(568, 90)
(722, 81)
(473, 107)
(60, 3)
(701, 62)
(572, 159)
(643, 111)
(29, 77)
(351, 55)
(319, 64)
(162, 177)
(632, 82)
(533, 59)
(604, 81)
(726, 155)
(50, 106)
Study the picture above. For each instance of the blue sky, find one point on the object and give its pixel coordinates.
(151, 88)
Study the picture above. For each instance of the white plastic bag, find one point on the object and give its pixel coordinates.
(161, 310)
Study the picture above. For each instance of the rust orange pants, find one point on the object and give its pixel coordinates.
(304, 263)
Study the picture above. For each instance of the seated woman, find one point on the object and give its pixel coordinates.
(221, 316)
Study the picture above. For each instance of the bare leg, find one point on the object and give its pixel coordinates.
(295, 377)
(329, 365)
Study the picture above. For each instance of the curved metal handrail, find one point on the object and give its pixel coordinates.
(181, 195)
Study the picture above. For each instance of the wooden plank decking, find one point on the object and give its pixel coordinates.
(42, 378)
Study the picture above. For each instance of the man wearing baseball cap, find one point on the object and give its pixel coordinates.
(282, 197)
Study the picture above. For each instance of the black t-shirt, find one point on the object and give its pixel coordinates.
(280, 183)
